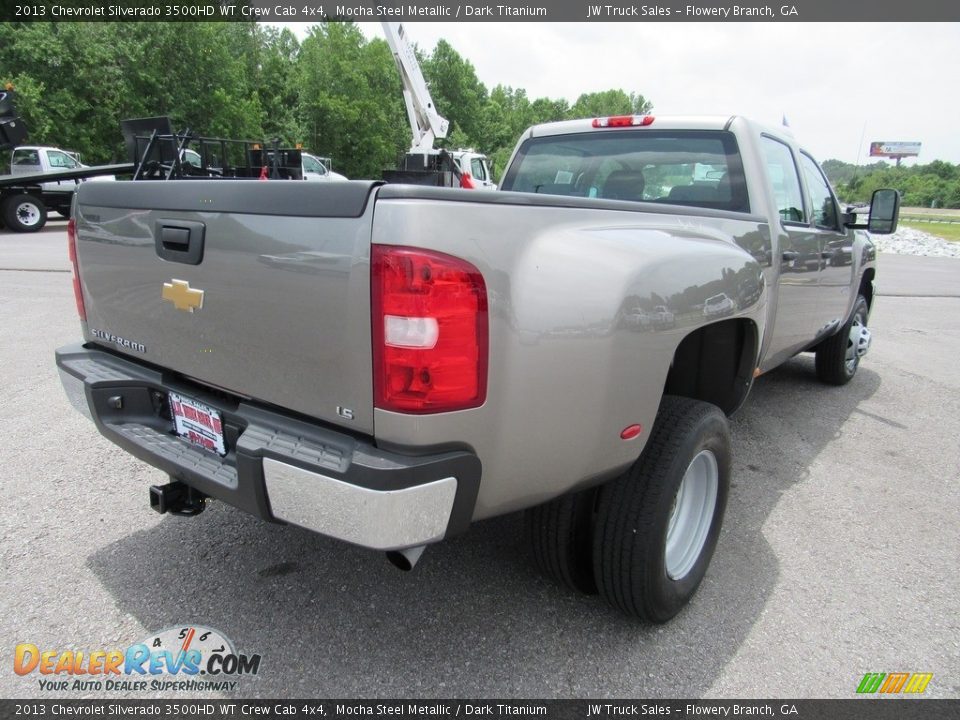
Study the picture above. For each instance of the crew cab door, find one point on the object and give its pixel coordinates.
(836, 244)
(799, 318)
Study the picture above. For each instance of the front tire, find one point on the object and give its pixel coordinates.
(657, 525)
(24, 213)
(838, 357)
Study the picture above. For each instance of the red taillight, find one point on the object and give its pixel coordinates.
(72, 252)
(623, 121)
(430, 331)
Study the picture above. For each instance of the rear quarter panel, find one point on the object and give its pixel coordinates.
(570, 363)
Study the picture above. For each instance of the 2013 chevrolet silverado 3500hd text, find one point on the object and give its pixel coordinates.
(386, 363)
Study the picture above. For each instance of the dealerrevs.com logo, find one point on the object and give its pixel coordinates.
(188, 658)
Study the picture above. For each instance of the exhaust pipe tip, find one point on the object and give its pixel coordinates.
(407, 558)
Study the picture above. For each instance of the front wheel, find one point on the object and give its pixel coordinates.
(657, 525)
(838, 357)
(24, 213)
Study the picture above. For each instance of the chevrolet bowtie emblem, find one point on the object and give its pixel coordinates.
(182, 295)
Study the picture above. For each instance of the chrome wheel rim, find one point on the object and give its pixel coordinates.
(28, 214)
(858, 342)
(691, 515)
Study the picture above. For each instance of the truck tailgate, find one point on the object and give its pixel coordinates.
(258, 288)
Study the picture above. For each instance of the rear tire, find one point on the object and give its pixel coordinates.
(657, 525)
(560, 536)
(838, 357)
(24, 213)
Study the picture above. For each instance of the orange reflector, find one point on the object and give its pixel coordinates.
(631, 431)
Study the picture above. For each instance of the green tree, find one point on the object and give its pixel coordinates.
(936, 184)
(276, 52)
(457, 93)
(81, 79)
(350, 99)
(609, 102)
(337, 93)
(544, 110)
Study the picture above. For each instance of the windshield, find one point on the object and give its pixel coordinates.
(696, 168)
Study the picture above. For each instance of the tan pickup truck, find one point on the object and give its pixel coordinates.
(385, 364)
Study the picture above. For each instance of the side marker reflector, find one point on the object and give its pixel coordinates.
(631, 431)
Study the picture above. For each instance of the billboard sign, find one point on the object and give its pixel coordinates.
(894, 149)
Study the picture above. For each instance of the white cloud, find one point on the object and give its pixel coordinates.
(833, 81)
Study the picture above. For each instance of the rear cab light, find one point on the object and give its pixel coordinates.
(430, 331)
(72, 253)
(623, 121)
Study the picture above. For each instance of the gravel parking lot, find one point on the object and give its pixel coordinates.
(839, 554)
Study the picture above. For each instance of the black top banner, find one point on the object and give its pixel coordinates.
(855, 11)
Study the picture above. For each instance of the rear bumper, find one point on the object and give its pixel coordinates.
(278, 467)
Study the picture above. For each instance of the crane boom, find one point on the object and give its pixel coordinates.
(426, 124)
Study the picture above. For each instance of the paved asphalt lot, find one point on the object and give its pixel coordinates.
(839, 554)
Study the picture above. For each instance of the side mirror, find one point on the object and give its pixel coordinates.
(884, 212)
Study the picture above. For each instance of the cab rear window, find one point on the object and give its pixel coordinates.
(26, 157)
(692, 168)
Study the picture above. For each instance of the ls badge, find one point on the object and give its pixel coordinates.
(182, 295)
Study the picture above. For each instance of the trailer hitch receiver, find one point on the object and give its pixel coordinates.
(177, 498)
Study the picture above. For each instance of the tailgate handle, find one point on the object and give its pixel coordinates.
(179, 240)
(174, 238)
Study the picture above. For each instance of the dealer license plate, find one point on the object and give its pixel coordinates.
(197, 423)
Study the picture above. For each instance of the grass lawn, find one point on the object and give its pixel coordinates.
(947, 231)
